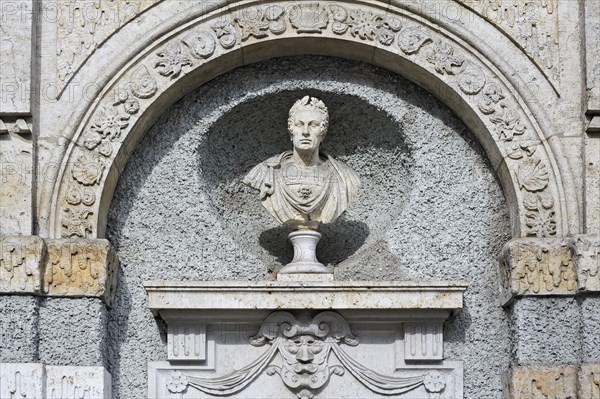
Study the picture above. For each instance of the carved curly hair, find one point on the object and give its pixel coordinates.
(309, 102)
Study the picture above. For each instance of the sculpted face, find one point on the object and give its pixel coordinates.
(307, 129)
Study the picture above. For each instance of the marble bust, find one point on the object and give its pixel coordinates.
(304, 187)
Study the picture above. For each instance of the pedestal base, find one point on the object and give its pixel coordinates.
(305, 253)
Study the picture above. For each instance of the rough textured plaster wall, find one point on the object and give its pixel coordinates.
(430, 207)
(19, 328)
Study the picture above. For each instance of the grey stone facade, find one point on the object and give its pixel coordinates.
(124, 139)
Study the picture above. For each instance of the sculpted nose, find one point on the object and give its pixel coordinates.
(304, 355)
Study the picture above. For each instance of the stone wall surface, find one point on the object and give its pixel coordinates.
(430, 207)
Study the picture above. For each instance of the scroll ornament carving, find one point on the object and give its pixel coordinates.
(304, 349)
(107, 127)
(531, 172)
(410, 40)
(199, 44)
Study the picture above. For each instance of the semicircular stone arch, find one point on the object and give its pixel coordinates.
(242, 33)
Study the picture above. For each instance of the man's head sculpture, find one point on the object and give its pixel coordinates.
(303, 188)
(309, 103)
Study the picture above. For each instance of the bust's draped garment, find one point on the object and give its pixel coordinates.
(291, 201)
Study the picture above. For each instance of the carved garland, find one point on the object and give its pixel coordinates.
(114, 118)
(305, 349)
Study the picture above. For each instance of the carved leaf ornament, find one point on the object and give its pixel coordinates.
(304, 349)
(114, 118)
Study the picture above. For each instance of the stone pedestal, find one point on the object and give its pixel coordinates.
(305, 339)
(305, 253)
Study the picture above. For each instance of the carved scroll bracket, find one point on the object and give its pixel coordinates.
(58, 267)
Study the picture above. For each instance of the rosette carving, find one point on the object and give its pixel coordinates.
(200, 43)
(471, 78)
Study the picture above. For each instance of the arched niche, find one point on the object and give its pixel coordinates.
(489, 100)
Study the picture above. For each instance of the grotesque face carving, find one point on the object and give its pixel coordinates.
(305, 362)
(307, 129)
(306, 353)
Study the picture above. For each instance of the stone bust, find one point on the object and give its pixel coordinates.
(304, 187)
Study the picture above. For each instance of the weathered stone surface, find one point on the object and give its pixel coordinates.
(590, 329)
(586, 253)
(372, 295)
(546, 331)
(82, 26)
(78, 382)
(589, 381)
(533, 24)
(22, 380)
(72, 331)
(542, 382)
(21, 264)
(18, 328)
(537, 267)
(16, 178)
(81, 268)
(39, 381)
(16, 38)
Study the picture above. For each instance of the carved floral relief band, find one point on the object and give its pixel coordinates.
(519, 140)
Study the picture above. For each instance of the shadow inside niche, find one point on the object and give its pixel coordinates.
(339, 241)
(364, 137)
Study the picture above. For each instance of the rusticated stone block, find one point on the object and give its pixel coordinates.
(80, 267)
(20, 264)
(541, 382)
(586, 254)
(589, 381)
(536, 266)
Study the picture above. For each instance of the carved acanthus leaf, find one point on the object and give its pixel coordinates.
(442, 57)
(172, 59)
